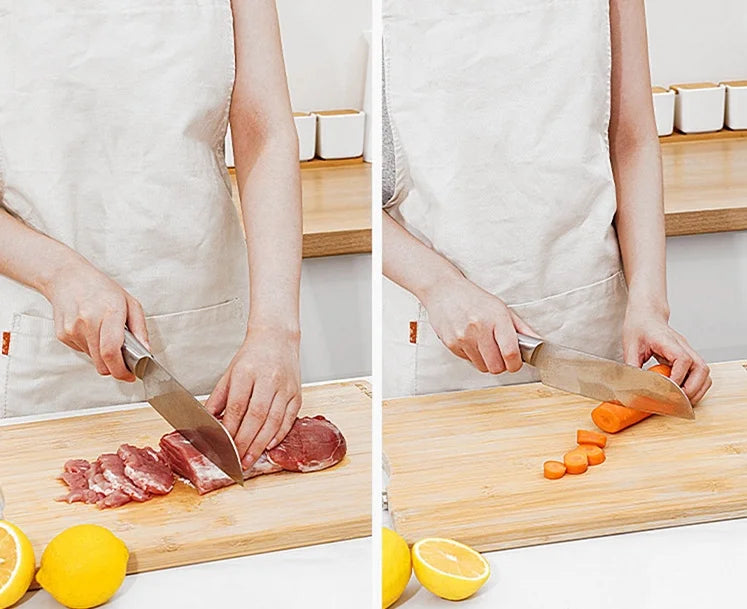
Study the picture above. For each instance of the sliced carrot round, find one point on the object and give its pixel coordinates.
(584, 436)
(594, 454)
(554, 470)
(576, 461)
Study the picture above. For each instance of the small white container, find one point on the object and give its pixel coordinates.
(228, 150)
(663, 110)
(736, 104)
(699, 107)
(306, 130)
(340, 133)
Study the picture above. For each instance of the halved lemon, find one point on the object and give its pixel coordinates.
(17, 564)
(448, 568)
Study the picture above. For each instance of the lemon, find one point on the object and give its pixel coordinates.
(448, 568)
(396, 567)
(83, 566)
(17, 564)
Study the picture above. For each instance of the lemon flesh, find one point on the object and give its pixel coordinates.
(396, 567)
(449, 569)
(17, 564)
(83, 566)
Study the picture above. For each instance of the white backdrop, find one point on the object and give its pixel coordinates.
(325, 52)
(697, 40)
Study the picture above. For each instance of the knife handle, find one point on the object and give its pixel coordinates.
(528, 345)
(136, 356)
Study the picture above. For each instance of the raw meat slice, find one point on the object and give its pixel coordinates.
(115, 499)
(75, 475)
(113, 471)
(313, 443)
(146, 469)
(191, 464)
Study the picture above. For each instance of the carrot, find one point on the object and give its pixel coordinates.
(612, 418)
(594, 454)
(584, 436)
(576, 461)
(554, 470)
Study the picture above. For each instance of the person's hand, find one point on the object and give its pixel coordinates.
(90, 313)
(259, 395)
(647, 334)
(476, 326)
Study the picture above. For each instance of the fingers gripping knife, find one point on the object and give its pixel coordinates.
(182, 410)
(603, 379)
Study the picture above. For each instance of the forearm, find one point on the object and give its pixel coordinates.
(411, 264)
(640, 223)
(29, 257)
(270, 188)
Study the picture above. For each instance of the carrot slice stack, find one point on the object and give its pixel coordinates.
(594, 454)
(576, 461)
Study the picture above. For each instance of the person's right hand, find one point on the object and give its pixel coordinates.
(90, 313)
(476, 326)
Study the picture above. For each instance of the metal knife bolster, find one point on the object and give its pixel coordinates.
(528, 345)
(136, 356)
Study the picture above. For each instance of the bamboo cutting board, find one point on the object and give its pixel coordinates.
(468, 465)
(271, 512)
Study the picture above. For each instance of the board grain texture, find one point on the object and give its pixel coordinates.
(468, 465)
(272, 512)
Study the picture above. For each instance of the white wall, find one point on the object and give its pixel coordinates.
(325, 52)
(697, 40)
(707, 285)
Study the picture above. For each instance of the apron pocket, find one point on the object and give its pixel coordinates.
(43, 375)
(589, 318)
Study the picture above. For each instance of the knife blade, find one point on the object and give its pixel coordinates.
(606, 380)
(182, 410)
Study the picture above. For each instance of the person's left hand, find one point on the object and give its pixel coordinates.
(260, 393)
(647, 333)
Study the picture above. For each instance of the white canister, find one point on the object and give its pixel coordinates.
(736, 104)
(663, 110)
(340, 133)
(306, 130)
(699, 107)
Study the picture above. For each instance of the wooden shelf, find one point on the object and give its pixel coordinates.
(336, 207)
(724, 134)
(705, 183)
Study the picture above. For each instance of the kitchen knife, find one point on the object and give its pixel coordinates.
(182, 410)
(603, 379)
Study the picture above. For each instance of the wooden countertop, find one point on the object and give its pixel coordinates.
(336, 208)
(705, 183)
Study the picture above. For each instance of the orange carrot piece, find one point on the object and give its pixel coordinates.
(576, 461)
(594, 454)
(554, 470)
(584, 436)
(612, 418)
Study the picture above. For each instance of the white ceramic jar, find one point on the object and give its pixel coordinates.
(699, 107)
(736, 104)
(306, 130)
(663, 110)
(340, 133)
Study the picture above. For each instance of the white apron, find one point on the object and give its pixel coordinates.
(112, 122)
(499, 113)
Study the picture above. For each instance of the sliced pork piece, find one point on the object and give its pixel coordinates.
(75, 475)
(113, 470)
(191, 464)
(114, 499)
(146, 469)
(312, 444)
